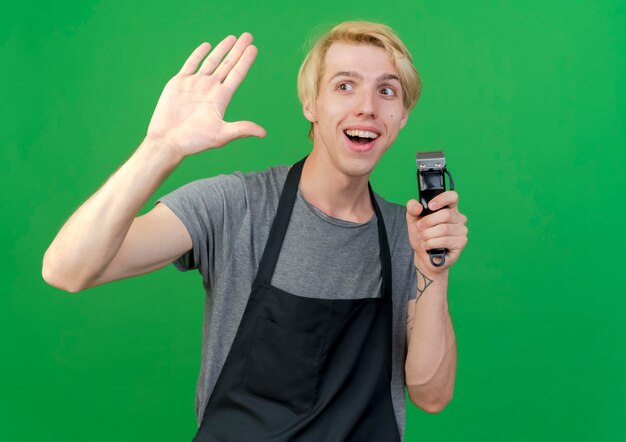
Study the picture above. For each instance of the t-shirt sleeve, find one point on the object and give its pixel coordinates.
(212, 210)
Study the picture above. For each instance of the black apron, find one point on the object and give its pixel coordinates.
(306, 369)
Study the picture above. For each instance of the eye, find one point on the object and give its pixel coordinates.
(344, 87)
(388, 91)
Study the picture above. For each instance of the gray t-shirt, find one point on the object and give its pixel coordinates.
(228, 218)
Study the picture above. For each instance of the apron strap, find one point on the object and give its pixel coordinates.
(279, 225)
(383, 243)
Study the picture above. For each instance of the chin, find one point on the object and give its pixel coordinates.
(357, 168)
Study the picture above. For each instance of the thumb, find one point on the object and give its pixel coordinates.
(241, 129)
(413, 210)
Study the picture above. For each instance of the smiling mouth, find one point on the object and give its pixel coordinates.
(360, 136)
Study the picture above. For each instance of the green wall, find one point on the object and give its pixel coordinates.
(527, 100)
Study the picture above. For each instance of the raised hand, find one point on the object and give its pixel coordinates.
(444, 228)
(189, 116)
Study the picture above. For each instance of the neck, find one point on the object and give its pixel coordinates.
(334, 193)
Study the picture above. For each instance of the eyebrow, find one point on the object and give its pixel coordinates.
(382, 77)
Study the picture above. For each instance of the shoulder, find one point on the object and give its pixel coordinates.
(267, 180)
(262, 189)
(238, 182)
(218, 184)
(233, 193)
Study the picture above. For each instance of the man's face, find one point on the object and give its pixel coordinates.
(358, 111)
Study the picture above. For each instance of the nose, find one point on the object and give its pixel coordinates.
(366, 107)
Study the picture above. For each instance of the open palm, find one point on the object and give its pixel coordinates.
(189, 116)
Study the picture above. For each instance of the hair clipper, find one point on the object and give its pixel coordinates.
(431, 167)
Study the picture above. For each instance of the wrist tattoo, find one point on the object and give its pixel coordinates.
(422, 282)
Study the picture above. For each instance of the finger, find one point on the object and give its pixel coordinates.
(446, 242)
(413, 209)
(196, 56)
(241, 129)
(442, 230)
(216, 55)
(448, 198)
(233, 56)
(240, 70)
(440, 217)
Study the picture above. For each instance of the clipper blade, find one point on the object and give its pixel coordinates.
(430, 160)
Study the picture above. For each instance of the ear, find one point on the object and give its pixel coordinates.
(309, 111)
(404, 118)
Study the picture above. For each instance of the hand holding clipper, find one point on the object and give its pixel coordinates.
(431, 167)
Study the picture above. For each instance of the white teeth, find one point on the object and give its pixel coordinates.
(361, 133)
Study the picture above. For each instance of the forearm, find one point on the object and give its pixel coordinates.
(431, 355)
(91, 237)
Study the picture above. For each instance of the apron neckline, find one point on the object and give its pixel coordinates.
(280, 223)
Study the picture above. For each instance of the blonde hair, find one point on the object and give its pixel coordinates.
(359, 32)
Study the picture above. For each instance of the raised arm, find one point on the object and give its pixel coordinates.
(103, 240)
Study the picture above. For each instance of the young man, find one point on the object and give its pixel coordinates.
(311, 328)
